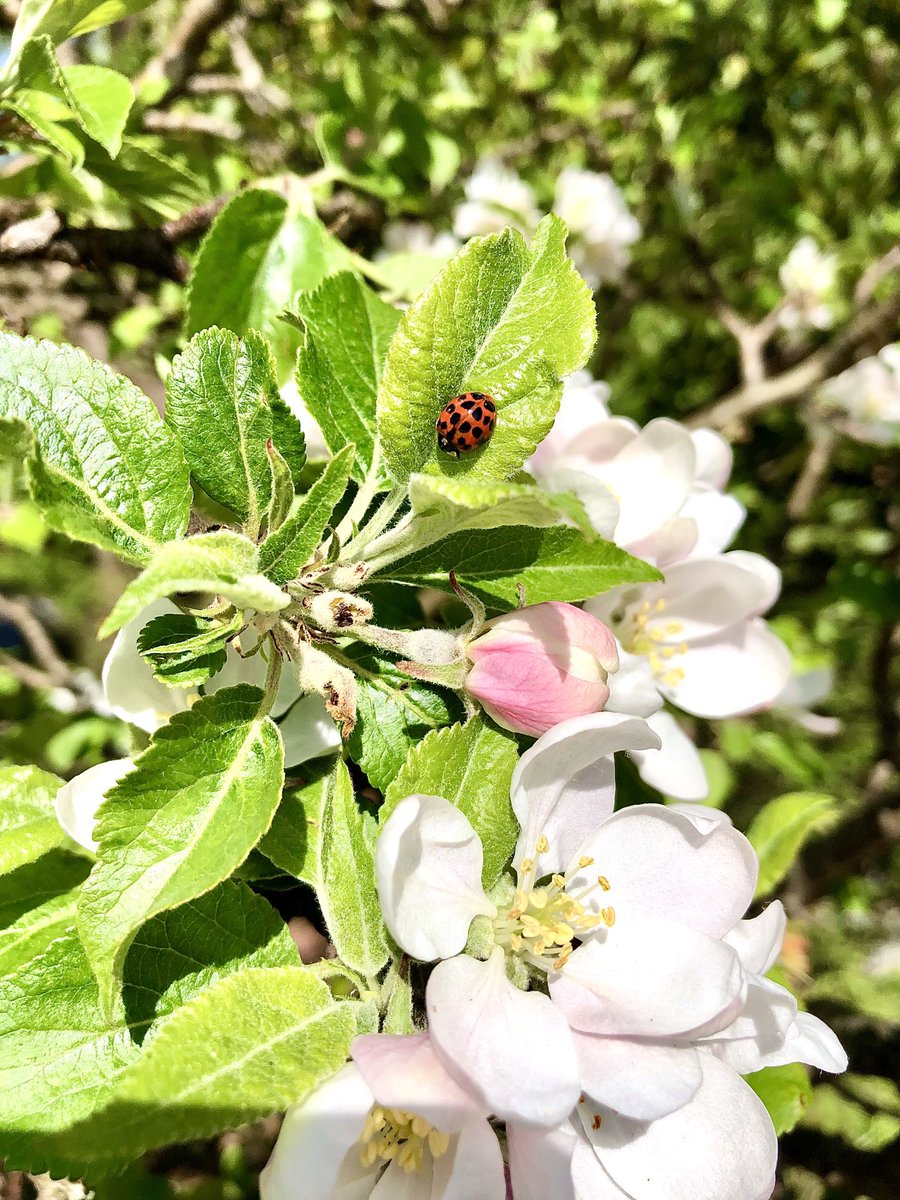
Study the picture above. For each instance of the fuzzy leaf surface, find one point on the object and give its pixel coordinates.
(199, 799)
(292, 842)
(551, 564)
(346, 881)
(393, 713)
(222, 563)
(288, 549)
(35, 883)
(28, 824)
(347, 333)
(220, 395)
(501, 318)
(105, 468)
(472, 766)
(36, 929)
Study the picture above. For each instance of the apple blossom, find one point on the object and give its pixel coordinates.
(495, 198)
(417, 237)
(541, 665)
(807, 276)
(77, 801)
(652, 962)
(598, 218)
(868, 395)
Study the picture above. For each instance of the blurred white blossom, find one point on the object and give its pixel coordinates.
(496, 196)
(417, 237)
(868, 394)
(808, 277)
(601, 227)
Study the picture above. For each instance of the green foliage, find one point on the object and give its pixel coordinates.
(257, 256)
(292, 842)
(185, 650)
(104, 469)
(472, 766)
(502, 319)
(199, 799)
(868, 1118)
(393, 714)
(221, 395)
(549, 564)
(28, 824)
(781, 829)
(345, 883)
(289, 548)
(786, 1093)
(222, 563)
(347, 331)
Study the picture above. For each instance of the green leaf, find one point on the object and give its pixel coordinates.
(35, 883)
(285, 552)
(500, 318)
(156, 186)
(178, 953)
(221, 563)
(780, 830)
(346, 883)
(199, 655)
(44, 113)
(282, 488)
(219, 397)
(62, 19)
(347, 333)
(837, 1115)
(393, 713)
(36, 929)
(255, 259)
(199, 799)
(101, 99)
(292, 842)
(443, 505)
(785, 1091)
(105, 468)
(551, 564)
(28, 824)
(472, 766)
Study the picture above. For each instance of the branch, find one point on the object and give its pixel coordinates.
(159, 121)
(52, 670)
(179, 58)
(95, 247)
(872, 323)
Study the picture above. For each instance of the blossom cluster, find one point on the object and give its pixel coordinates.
(603, 1003)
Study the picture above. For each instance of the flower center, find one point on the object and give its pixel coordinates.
(392, 1135)
(544, 922)
(639, 636)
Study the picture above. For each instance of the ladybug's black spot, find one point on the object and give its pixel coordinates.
(477, 414)
(489, 404)
(468, 404)
(465, 427)
(477, 395)
(455, 418)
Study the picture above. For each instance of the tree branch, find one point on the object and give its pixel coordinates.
(95, 247)
(52, 670)
(179, 58)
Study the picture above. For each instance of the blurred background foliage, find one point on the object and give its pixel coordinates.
(732, 128)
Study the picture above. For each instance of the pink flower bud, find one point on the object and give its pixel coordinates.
(541, 665)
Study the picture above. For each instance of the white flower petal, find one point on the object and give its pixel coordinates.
(403, 1071)
(472, 1169)
(637, 1078)
(399, 1184)
(758, 941)
(253, 670)
(717, 519)
(512, 1048)
(540, 1161)
(428, 868)
(720, 1146)
(315, 1138)
(77, 801)
(670, 542)
(660, 864)
(713, 459)
(307, 731)
(651, 477)
(656, 979)
(633, 690)
(131, 691)
(564, 786)
(599, 503)
(676, 768)
(810, 1041)
(757, 1035)
(704, 596)
(591, 1181)
(738, 671)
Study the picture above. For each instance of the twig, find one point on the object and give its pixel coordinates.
(96, 247)
(179, 58)
(873, 275)
(813, 472)
(158, 121)
(54, 671)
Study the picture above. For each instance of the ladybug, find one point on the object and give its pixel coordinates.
(466, 422)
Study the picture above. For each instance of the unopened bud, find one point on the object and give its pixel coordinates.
(541, 665)
(349, 576)
(337, 611)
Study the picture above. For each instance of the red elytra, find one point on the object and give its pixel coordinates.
(466, 423)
